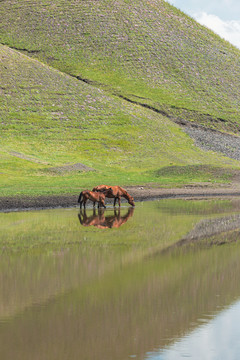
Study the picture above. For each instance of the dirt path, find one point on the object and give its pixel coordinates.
(140, 193)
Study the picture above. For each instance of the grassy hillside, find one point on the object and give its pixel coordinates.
(50, 119)
(147, 51)
(68, 108)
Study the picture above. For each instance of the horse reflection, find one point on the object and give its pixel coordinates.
(99, 220)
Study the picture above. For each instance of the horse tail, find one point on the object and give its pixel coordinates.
(80, 196)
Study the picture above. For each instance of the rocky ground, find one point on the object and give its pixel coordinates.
(213, 140)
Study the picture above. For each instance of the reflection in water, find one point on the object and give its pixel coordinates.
(217, 339)
(80, 293)
(210, 232)
(101, 221)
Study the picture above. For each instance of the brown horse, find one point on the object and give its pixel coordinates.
(101, 221)
(116, 192)
(93, 196)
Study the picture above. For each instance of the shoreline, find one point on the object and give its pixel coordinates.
(140, 193)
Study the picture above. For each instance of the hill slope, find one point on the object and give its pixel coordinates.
(50, 119)
(107, 115)
(150, 52)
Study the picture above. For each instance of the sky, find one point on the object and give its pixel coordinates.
(221, 16)
(216, 338)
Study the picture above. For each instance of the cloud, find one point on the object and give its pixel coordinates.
(225, 9)
(229, 30)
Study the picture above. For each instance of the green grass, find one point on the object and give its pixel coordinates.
(151, 54)
(193, 174)
(53, 120)
(152, 50)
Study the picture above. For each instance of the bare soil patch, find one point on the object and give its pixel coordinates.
(69, 168)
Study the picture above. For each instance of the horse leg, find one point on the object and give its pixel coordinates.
(115, 199)
(119, 201)
(94, 202)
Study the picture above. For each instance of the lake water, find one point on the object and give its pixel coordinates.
(158, 282)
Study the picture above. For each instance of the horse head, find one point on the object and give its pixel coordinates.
(131, 200)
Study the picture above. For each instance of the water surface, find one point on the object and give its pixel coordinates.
(157, 282)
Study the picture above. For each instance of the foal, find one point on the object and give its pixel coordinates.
(93, 196)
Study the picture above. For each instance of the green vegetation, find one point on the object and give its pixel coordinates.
(74, 77)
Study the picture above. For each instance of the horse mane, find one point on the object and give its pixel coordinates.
(126, 195)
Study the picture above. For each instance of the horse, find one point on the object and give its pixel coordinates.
(93, 196)
(103, 222)
(116, 193)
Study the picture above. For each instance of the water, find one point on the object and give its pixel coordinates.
(216, 339)
(158, 282)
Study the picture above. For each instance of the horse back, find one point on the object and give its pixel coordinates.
(101, 188)
(96, 196)
(120, 191)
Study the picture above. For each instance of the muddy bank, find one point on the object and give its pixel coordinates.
(39, 202)
(139, 193)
